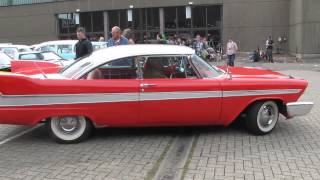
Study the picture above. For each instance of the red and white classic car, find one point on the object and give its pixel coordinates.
(148, 85)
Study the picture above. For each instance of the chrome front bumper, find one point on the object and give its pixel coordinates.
(298, 108)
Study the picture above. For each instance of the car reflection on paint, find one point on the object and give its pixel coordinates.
(149, 85)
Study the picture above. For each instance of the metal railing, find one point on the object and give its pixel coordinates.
(22, 2)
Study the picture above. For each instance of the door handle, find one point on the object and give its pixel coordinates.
(147, 85)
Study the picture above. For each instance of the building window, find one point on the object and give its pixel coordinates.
(199, 16)
(214, 16)
(67, 25)
(86, 21)
(22, 2)
(97, 22)
(93, 24)
(139, 19)
(170, 17)
(153, 21)
(183, 22)
(205, 21)
(123, 19)
(113, 19)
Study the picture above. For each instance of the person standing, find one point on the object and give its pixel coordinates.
(127, 33)
(232, 49)
(117, 38)
(269, 46)
(83, 46)
(199, 45)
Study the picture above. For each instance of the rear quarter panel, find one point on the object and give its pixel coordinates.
(104, 113)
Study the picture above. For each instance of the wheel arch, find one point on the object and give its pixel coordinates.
(49, 117)
(279, 101)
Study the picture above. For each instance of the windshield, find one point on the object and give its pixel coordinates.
(205, 69)
(76, 66)
(11, 51)
(4, 59)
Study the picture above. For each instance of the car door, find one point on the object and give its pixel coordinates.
(176, 95)
(118, 85)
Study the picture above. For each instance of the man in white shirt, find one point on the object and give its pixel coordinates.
(232, 49)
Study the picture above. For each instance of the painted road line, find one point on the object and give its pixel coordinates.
(19, 134)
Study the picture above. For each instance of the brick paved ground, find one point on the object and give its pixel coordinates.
(292, 151)
(114, 154)
(10, 130)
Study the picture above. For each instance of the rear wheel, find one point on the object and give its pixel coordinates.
(69, 129)
(262, 117)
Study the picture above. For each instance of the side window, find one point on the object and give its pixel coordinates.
(167, 67)
(64, 49)
(29, 57)
(124, 68)
(46, 48)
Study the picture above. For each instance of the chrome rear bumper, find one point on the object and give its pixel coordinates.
(298, 108)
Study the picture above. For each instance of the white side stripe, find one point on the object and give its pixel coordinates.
(54, 99)
(259, 92)
(33, 100)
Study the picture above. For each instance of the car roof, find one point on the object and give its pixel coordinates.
(123, 51)
(30, 52)
(21, 46)
(58, 42)
(106, 55)
(8, 46)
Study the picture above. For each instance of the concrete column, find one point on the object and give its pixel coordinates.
(106, 24)
(161, 16)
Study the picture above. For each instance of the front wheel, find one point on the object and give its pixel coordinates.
(69, 129)
(262, 117)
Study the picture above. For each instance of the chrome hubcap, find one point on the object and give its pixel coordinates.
(68, 124)
(267, 115)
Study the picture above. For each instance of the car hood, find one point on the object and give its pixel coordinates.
(253, 72)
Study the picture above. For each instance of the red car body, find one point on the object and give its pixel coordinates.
(28, 67)
(145, 102)
(194, 111)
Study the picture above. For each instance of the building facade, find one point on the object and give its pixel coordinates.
(293, 24)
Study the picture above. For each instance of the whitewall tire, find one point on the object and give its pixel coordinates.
(69, 129)
(262, 117)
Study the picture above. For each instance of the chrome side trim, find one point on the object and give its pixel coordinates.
(259, 92)
(63, 99)
(149, 96)
(298, 108)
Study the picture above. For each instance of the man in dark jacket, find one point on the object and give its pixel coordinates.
(84, 46)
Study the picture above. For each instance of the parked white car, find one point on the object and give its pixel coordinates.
(65, 48)
(44, 56)
(10, 50)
